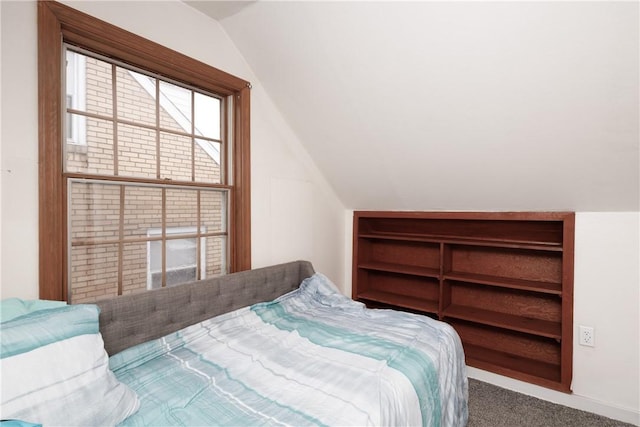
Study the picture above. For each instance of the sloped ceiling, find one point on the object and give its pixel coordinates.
(455, 105)
(219, 9)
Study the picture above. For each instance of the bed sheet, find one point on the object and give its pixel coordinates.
(310, 357)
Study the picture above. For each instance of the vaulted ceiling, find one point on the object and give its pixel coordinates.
(455, 105)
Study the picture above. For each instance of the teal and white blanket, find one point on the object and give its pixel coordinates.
(311, 357)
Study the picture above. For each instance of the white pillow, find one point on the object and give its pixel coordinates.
(55, 370)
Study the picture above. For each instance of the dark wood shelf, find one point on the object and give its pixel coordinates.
(435, 238)
(517, 366)
(503, 280)
(506, 282)
(400, 268)
(543, 328)
(402, 301)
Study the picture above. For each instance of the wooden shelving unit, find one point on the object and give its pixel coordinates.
(503, 280)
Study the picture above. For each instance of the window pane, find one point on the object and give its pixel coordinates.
(95, 228)
(175, 157)
(181, 208)
(216, 256)
(95, 155)
(180, 276)
(155, 256)
(99, 86)
(174, 277)
(89, 84)
(207, 116)
(136, 97)
(136, 152)
(181, 253)
(175, 108)
(75, 81)
(207, 161)
(94, 212)
(181, 257)
(134, 267)
(213, 209)
(94, 272)
(75, 128)
(142, 210)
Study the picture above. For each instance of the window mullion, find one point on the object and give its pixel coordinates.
(158, 162)
(224, 143)
(193, 136)
(225, 136)
(114, 109)
(199, 265)
(193, 178)
(121, 240)
(164, 237)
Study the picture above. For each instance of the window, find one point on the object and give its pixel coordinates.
(140, 126)
(159, 193)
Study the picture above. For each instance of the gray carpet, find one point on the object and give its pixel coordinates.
(492, 406)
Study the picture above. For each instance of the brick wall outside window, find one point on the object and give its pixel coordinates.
(94, 213)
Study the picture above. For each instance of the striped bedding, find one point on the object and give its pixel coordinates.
(310, 357)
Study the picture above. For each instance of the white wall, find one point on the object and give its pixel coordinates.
(1, 164)
(607, 297)
(294, 211)
(19, 191)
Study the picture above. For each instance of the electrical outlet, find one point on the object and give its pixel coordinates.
(587, 336)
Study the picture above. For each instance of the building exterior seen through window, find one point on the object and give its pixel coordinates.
(182, 258)
(147, 205)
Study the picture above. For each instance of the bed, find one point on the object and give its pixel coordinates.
(272, 346)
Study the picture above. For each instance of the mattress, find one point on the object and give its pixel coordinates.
(310, 357)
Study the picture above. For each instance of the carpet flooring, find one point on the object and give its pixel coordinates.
(492, 406)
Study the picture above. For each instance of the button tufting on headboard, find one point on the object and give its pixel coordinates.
(132, 319)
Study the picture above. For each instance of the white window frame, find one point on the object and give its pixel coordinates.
(76, 89)
(157, 231)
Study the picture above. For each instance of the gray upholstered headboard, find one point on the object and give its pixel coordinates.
(132, 319)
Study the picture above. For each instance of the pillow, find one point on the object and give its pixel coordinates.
(55, 370)
(11, 308)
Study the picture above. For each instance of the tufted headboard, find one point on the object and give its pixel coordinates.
(133, 319)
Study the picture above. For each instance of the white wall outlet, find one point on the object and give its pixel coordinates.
(587, 336)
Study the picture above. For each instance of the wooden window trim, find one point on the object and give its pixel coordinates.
(58, 23)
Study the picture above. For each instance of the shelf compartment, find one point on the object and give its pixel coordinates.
(518, 264)
(507, 282)
(400, 301)
(545, 231)
(532, 313)
(512, 322)
(415, 257)
(401, 290)
(512, 353)
(400, 268)
(510, 365)
(485, 242)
